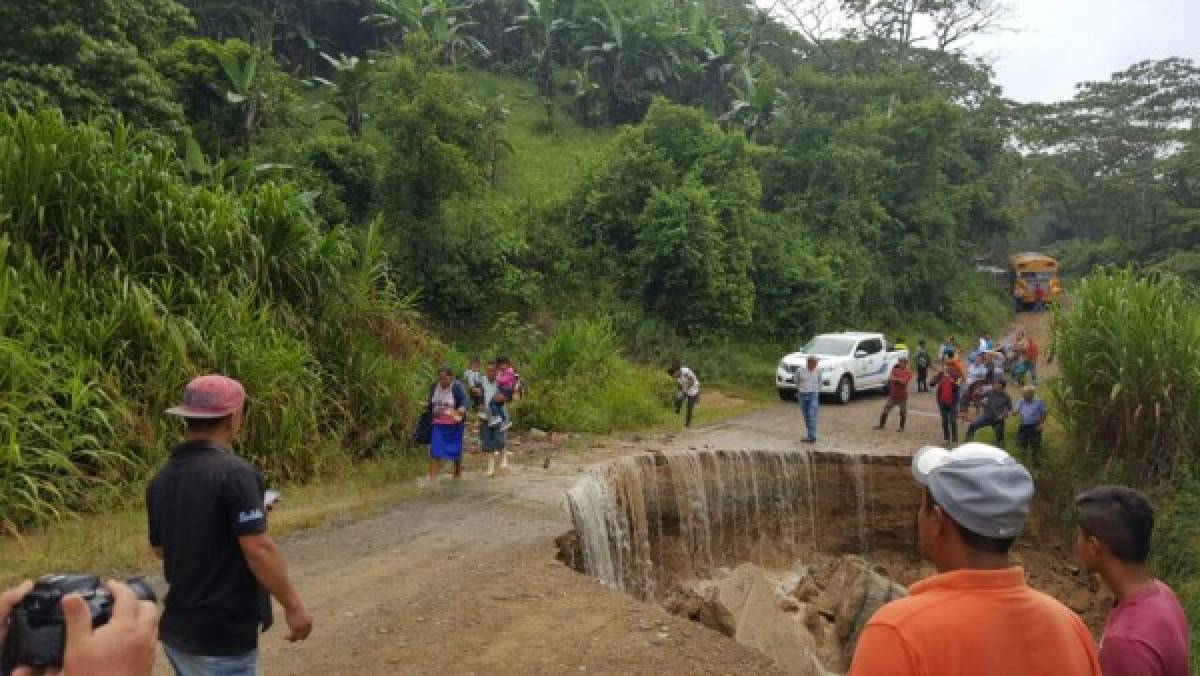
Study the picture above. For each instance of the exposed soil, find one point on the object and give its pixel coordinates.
(464, 580)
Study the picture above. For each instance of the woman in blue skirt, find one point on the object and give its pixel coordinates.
(448, 405)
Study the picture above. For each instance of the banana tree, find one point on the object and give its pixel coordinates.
(447, 28)
(754, 108)
(492, 124)
(399, 17)
(544, 29)
(242, 89)
(585, 94)
(353, 79)
(634, 53)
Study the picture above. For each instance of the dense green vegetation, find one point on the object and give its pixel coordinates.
(121, 280)
(325, 197)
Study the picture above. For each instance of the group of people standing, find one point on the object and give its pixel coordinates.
(487, 393)
(983, 384)
(955, 387)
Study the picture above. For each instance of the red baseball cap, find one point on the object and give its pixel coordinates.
(211, 396)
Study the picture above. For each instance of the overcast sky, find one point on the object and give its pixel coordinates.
(1062, 42)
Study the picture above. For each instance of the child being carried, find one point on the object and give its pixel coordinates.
(506, 385)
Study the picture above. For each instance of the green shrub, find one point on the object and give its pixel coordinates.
(351, 171)
(117, 199)
(435, 134)
(89, 58)
(667, 217)
(465, 262)
(579, 382)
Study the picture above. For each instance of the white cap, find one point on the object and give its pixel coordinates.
(980, 486)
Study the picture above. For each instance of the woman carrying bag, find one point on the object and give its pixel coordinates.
(447, 409)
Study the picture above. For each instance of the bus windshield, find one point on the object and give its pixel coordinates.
(1037, 276)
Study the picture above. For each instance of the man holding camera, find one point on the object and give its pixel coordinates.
(123, 645)
(208, 523)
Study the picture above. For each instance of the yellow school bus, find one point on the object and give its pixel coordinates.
(1029, 271)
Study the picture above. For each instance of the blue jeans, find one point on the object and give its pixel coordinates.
(187, 664)
(809, 401)
(982, 422)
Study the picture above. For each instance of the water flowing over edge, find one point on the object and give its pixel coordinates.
(642, 519)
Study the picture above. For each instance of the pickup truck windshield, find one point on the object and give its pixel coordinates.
(831, 346)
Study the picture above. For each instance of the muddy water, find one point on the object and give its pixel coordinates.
(645, 522)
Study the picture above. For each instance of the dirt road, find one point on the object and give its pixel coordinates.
(464, 580)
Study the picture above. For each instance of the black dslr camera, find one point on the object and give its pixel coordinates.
(36, 633)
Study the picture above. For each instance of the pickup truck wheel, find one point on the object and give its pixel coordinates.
(787, 395)
(845, 390)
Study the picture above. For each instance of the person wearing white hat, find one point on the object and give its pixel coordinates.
(977, 615)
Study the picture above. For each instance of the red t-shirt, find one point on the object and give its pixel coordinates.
(1039, 293)
(898, 383)
(945, 390)
(1146, 635)
(1032, 350)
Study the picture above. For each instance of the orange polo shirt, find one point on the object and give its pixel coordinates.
(975, 623)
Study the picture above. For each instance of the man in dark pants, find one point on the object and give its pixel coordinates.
(996, 407)
(1031, 416)
(923, 360)
(208, 523)
(897, 393)
(687, 390)
(946, 393)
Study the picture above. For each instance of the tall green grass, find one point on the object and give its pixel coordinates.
(120, 280)
(1129, 354)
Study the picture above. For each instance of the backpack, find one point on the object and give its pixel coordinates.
(423, 429)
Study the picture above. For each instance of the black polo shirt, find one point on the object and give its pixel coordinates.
(198, 505)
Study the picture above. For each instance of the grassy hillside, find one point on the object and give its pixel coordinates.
(547, 160)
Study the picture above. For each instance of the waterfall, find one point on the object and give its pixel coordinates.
(648, 519)
(860, 498)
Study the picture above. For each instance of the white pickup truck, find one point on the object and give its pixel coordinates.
(848, 362)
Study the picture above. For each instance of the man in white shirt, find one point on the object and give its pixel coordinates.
(687, 390)
(808, 392)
